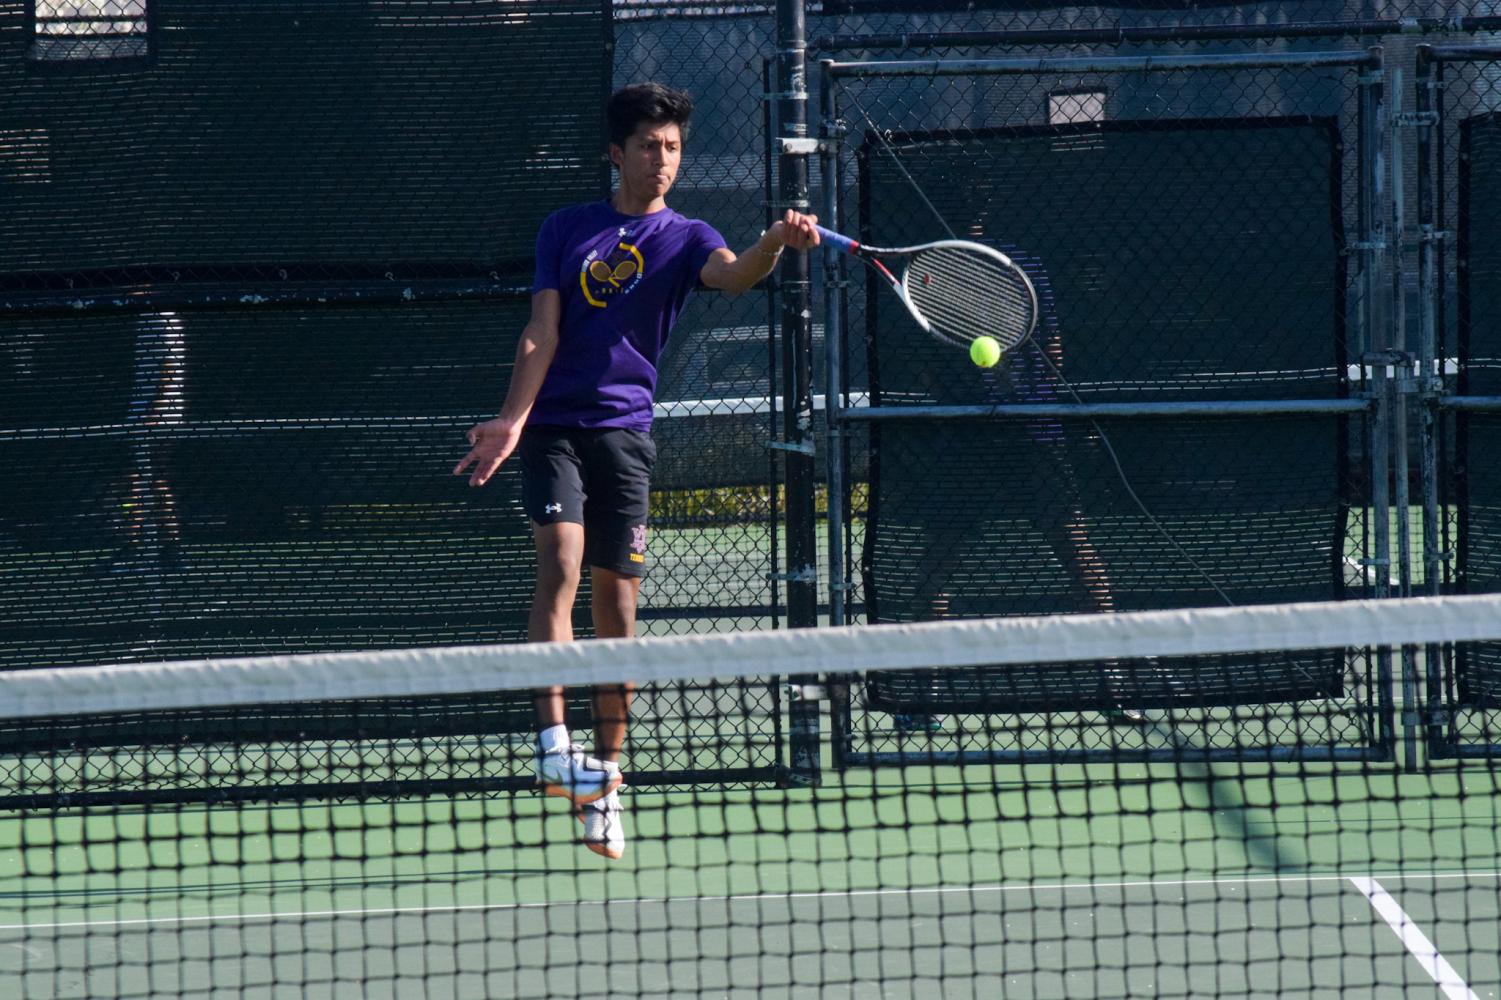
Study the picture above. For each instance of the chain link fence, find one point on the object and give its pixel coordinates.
(1197, 228)
(261, 266)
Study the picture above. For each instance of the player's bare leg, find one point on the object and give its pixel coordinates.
(560, 557)
(562, 768)
(614, 606)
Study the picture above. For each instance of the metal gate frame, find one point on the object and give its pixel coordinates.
(1438, 405)
(1379, 403)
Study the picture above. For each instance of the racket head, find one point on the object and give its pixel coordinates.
(960, 290)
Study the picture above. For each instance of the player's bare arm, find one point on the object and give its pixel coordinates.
(493, 441)
(729, 272)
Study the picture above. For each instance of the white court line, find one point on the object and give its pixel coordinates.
(244, 918)
(1368, 573)
(1412, 936)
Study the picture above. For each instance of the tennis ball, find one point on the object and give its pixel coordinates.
(985, 352)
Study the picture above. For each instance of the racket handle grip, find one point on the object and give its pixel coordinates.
(836, 240)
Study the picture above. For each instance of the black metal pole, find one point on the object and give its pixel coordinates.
(836, 452)
(774, 416)
(794, 147)
(797, 333)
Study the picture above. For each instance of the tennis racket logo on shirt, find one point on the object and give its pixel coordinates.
(600, 271)
(611, 275)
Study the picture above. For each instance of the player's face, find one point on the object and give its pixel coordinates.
(649, 160)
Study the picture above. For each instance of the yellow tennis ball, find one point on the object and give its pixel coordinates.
(985, 352)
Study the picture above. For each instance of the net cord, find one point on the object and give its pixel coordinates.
(1037, 639)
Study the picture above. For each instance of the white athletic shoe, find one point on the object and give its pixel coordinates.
(1121, 715)
(604, 826)
(572, 774)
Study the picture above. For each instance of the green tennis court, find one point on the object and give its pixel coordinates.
(1067, 882)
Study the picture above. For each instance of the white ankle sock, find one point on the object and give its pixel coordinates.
(554, 737)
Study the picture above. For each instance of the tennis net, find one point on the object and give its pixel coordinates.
(363, 824)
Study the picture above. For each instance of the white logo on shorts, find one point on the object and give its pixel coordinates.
(553, 508)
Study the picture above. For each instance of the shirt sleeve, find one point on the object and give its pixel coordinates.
(549, 253)
(705, 241)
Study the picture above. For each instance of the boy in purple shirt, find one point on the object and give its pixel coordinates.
(611, 279)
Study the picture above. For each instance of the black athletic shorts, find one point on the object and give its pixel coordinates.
(597, 477)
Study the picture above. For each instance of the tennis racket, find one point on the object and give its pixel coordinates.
(956, 290)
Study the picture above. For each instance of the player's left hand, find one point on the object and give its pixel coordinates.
(492, 443)
(796, 230)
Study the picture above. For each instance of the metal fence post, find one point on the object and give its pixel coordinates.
(794, 147)
(1401, 387)
(836, 424)
(1375, 341)
(1430, 373)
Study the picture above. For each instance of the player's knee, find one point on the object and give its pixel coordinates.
(615, 611)
(557, 577)
(615, 595)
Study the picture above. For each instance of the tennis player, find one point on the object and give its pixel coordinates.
(611, 279)
(153, 535)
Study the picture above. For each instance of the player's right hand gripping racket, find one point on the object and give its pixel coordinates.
(955, 289)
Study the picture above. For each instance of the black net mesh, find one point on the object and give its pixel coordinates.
(363, 843)
(367, 749)
(1151, 237)
(248, 479)
(303, 140)
(1042, 525)
(303, 237)
(1148, 239)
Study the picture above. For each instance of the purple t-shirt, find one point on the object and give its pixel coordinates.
(623, 280)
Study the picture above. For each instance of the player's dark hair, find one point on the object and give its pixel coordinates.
(629, 106)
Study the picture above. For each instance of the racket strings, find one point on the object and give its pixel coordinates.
(964, 294)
